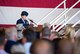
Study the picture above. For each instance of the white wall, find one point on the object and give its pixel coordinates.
(9, 15)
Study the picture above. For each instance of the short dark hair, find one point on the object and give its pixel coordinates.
(30, 34)
(46, 31)
(2, 32)
(2, 36)
(24, 13)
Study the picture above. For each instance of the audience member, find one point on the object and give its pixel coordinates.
(46, 33)
(69, 33)
(2, 41)
(21, 40)
(11, 34)
(55, 37)
(47, 25)
(18, 49)
(65, 47)
(77, 42)
(14, 42)
(42, 46)
(30, 36)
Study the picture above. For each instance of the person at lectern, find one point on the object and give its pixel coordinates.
(22, 23)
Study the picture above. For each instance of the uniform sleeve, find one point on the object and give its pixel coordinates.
(17, 22)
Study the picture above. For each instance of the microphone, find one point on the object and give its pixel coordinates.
(32, 21)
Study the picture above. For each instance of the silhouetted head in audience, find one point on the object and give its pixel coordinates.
(54, 35)
(46, 33)
(46, 25)
(18, 49)
(21, 39)
(2, 38)
(28, 36)
(29, 33)
(43, 46)
(77, 42)
(69, 32)
(77, 34)
(11, 33)
(65, 47)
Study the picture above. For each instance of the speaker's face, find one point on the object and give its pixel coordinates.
(24, 17)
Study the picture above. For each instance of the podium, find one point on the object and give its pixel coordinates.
(37, 29)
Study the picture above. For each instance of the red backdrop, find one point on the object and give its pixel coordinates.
(37, 3)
